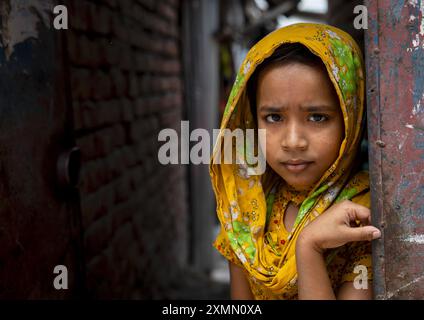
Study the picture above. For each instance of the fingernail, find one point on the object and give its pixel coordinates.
(376, 234)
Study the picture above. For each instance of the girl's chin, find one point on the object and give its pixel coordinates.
(299, 187)
(298, 182)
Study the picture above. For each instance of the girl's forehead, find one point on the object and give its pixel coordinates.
(291, 66)
(286, 80)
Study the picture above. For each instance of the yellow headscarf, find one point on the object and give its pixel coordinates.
(242, 198)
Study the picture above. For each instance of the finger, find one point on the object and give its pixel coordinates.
(351, 218)
(362, 233)
(357, 212)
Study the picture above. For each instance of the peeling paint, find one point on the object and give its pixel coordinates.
(404, 138)
(396, 106)
(417, 40)
(19, 21)
(391, 294)
(416, 238)
(422, 18)
(413, 3)
(410, 126)
(417, 108)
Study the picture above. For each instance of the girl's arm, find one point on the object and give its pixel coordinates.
(313, 280)
(240, 289)
(332, 229)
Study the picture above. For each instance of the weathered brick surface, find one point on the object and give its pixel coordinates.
(126, 80)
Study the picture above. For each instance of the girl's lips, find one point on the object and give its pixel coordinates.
(296, 168)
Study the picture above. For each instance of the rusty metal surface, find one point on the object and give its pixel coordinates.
(395, 90)
(38, 222)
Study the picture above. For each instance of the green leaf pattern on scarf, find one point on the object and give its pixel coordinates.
(308, 203)
(346, 194)
(236, 87)
(348, 64)
(242, 237)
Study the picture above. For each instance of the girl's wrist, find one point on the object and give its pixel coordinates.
(306, 242)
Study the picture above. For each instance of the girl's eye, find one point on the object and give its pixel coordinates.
(273, 118)
(318, 118)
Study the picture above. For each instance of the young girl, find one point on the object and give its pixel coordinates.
(301, 229)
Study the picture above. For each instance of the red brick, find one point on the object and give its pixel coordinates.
(126, 85)
(80, 16)
(90, 208)
(99, 271)
(167, 11)
(77, 116)
(145, 84)
(102, 19)
(118, 135)
(111, 3)
(101, 86)
(94, 174)
(79, 84)
(115, 164)
(141, 62)
(122, 239)
(119, 83)
(133, 85)
(122, 188)
(120, 28)
(107, 112)
(127, 110)
(150, 4)
(174, 3)
(103, 142)
(139, 107)
(73, 47)
(89, 114)
(128, 156)
(170, 119)
(127, 60)
(88, 53)
(170, 48)
(137, 175)
(122, 214)
(97, 236)
(86, 144)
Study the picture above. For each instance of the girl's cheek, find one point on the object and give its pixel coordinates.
(271, 141)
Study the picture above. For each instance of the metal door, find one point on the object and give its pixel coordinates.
(39, 207)
(395, 84)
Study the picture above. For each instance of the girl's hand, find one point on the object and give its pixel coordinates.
(337, 226)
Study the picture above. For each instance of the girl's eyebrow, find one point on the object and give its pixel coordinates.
(318, 108)
(266, 108)
(311, 108)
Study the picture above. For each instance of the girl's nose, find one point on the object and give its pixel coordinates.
(293, 138)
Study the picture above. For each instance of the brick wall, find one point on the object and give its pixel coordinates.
(126, 83)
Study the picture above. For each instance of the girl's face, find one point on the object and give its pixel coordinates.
(299, 108)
